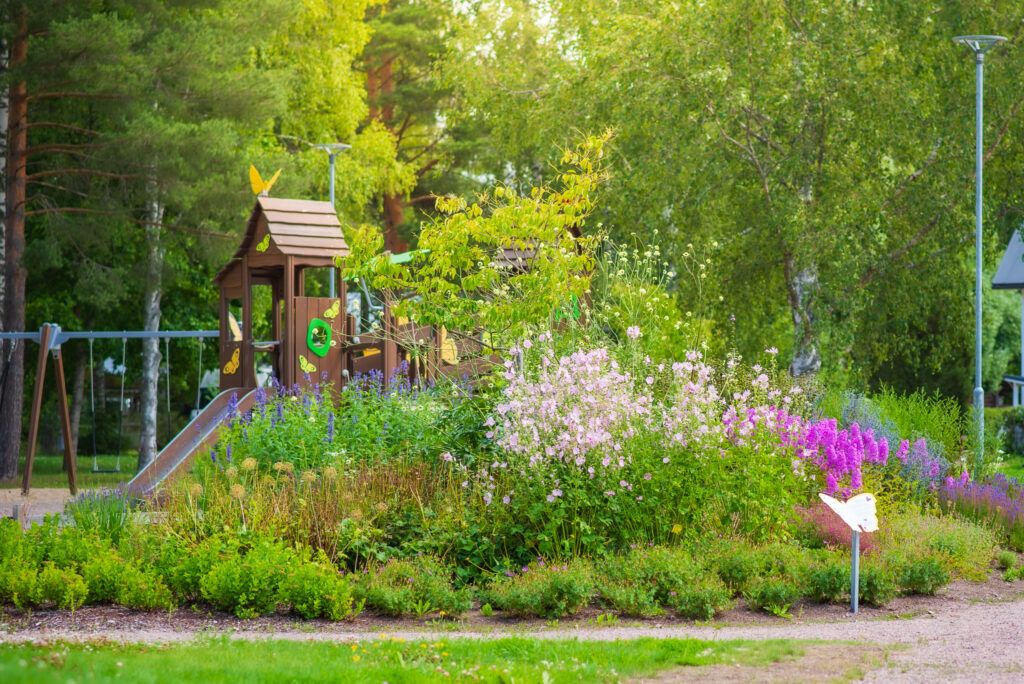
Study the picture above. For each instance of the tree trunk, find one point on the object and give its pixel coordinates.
(4, 96)
(802, 286)
(13, 373)
(81, 360)
(393, 217)
(151, 322)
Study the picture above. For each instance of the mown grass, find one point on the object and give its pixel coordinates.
(381, 659)
(47, 471)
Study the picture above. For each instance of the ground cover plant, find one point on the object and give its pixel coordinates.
(379, 659)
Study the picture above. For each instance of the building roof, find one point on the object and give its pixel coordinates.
(299, 228)
(1010, 274)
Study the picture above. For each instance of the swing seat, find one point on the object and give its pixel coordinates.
(106, 470)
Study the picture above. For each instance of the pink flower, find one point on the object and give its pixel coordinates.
(633, 332)
(527, 344)
(647, 476)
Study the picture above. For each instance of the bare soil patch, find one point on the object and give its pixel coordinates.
(819, 663)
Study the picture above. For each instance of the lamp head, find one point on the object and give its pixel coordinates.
(979, 44)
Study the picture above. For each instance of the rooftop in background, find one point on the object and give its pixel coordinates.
(1010, 274)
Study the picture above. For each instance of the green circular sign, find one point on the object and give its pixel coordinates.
(317, 341)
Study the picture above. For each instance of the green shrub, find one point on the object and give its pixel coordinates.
(773, 594)
(544, 590)
(247, 585)
(103, 574)
(828, 583)
(144, 590)
(964, 548)
(630, 598)
(643, 580)
(1006, 559)
(315, 589)
(13, 545)
(1014, 574)
(701, 600)
(922, 576)
(183, 566)
(19, 584)
(739, 567)
(63, 587)
(412, 586)
(876, 585)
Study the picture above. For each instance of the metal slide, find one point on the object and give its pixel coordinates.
(203, 431)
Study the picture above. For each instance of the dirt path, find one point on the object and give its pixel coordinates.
(957, 640)
(40, 501)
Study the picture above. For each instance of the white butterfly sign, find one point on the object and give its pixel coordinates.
(859, 513)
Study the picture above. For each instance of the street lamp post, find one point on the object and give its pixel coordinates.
(979, 45)
(332, 150)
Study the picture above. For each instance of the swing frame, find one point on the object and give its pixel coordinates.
(50, 337)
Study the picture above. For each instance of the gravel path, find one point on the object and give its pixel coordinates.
(963, 642)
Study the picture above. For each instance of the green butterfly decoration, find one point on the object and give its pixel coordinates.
(334, 310)
(305, 365)
(264, 243)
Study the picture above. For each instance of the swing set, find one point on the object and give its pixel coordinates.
(50, 339)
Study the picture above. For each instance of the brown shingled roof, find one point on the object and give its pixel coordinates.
(301, 228)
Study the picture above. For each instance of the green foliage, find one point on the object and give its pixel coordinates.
(876, 585)
(1007, 559)
(20, 585)
(963, 548)
(247, 585)
(143, 590)
(457, 278)
(544, 590)
(702, 599)
(829, 582)
(922, 576)
(773, 594)
(646, 580)
(64, 588)
(412, 586)
(106, 513)
(316, 589)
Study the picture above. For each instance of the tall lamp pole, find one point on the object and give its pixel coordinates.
(979, 45)
(332, 150)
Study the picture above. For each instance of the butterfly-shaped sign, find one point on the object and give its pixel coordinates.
(231, 366)
(260, 186)
(334, 310)
(264, 243)
(305, 365)
(858, 512)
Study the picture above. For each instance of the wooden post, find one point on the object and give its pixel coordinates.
(288, 362)
(65, 422)
(248, 355)
(390, 345)
(37, 404)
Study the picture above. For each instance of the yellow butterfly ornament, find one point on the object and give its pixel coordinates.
(231, 366)
(334, 310)
(264, 243)
(259, 186)
(305, 365)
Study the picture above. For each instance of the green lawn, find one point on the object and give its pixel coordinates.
(1013, 466)
(379, 660)
(47, 472)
